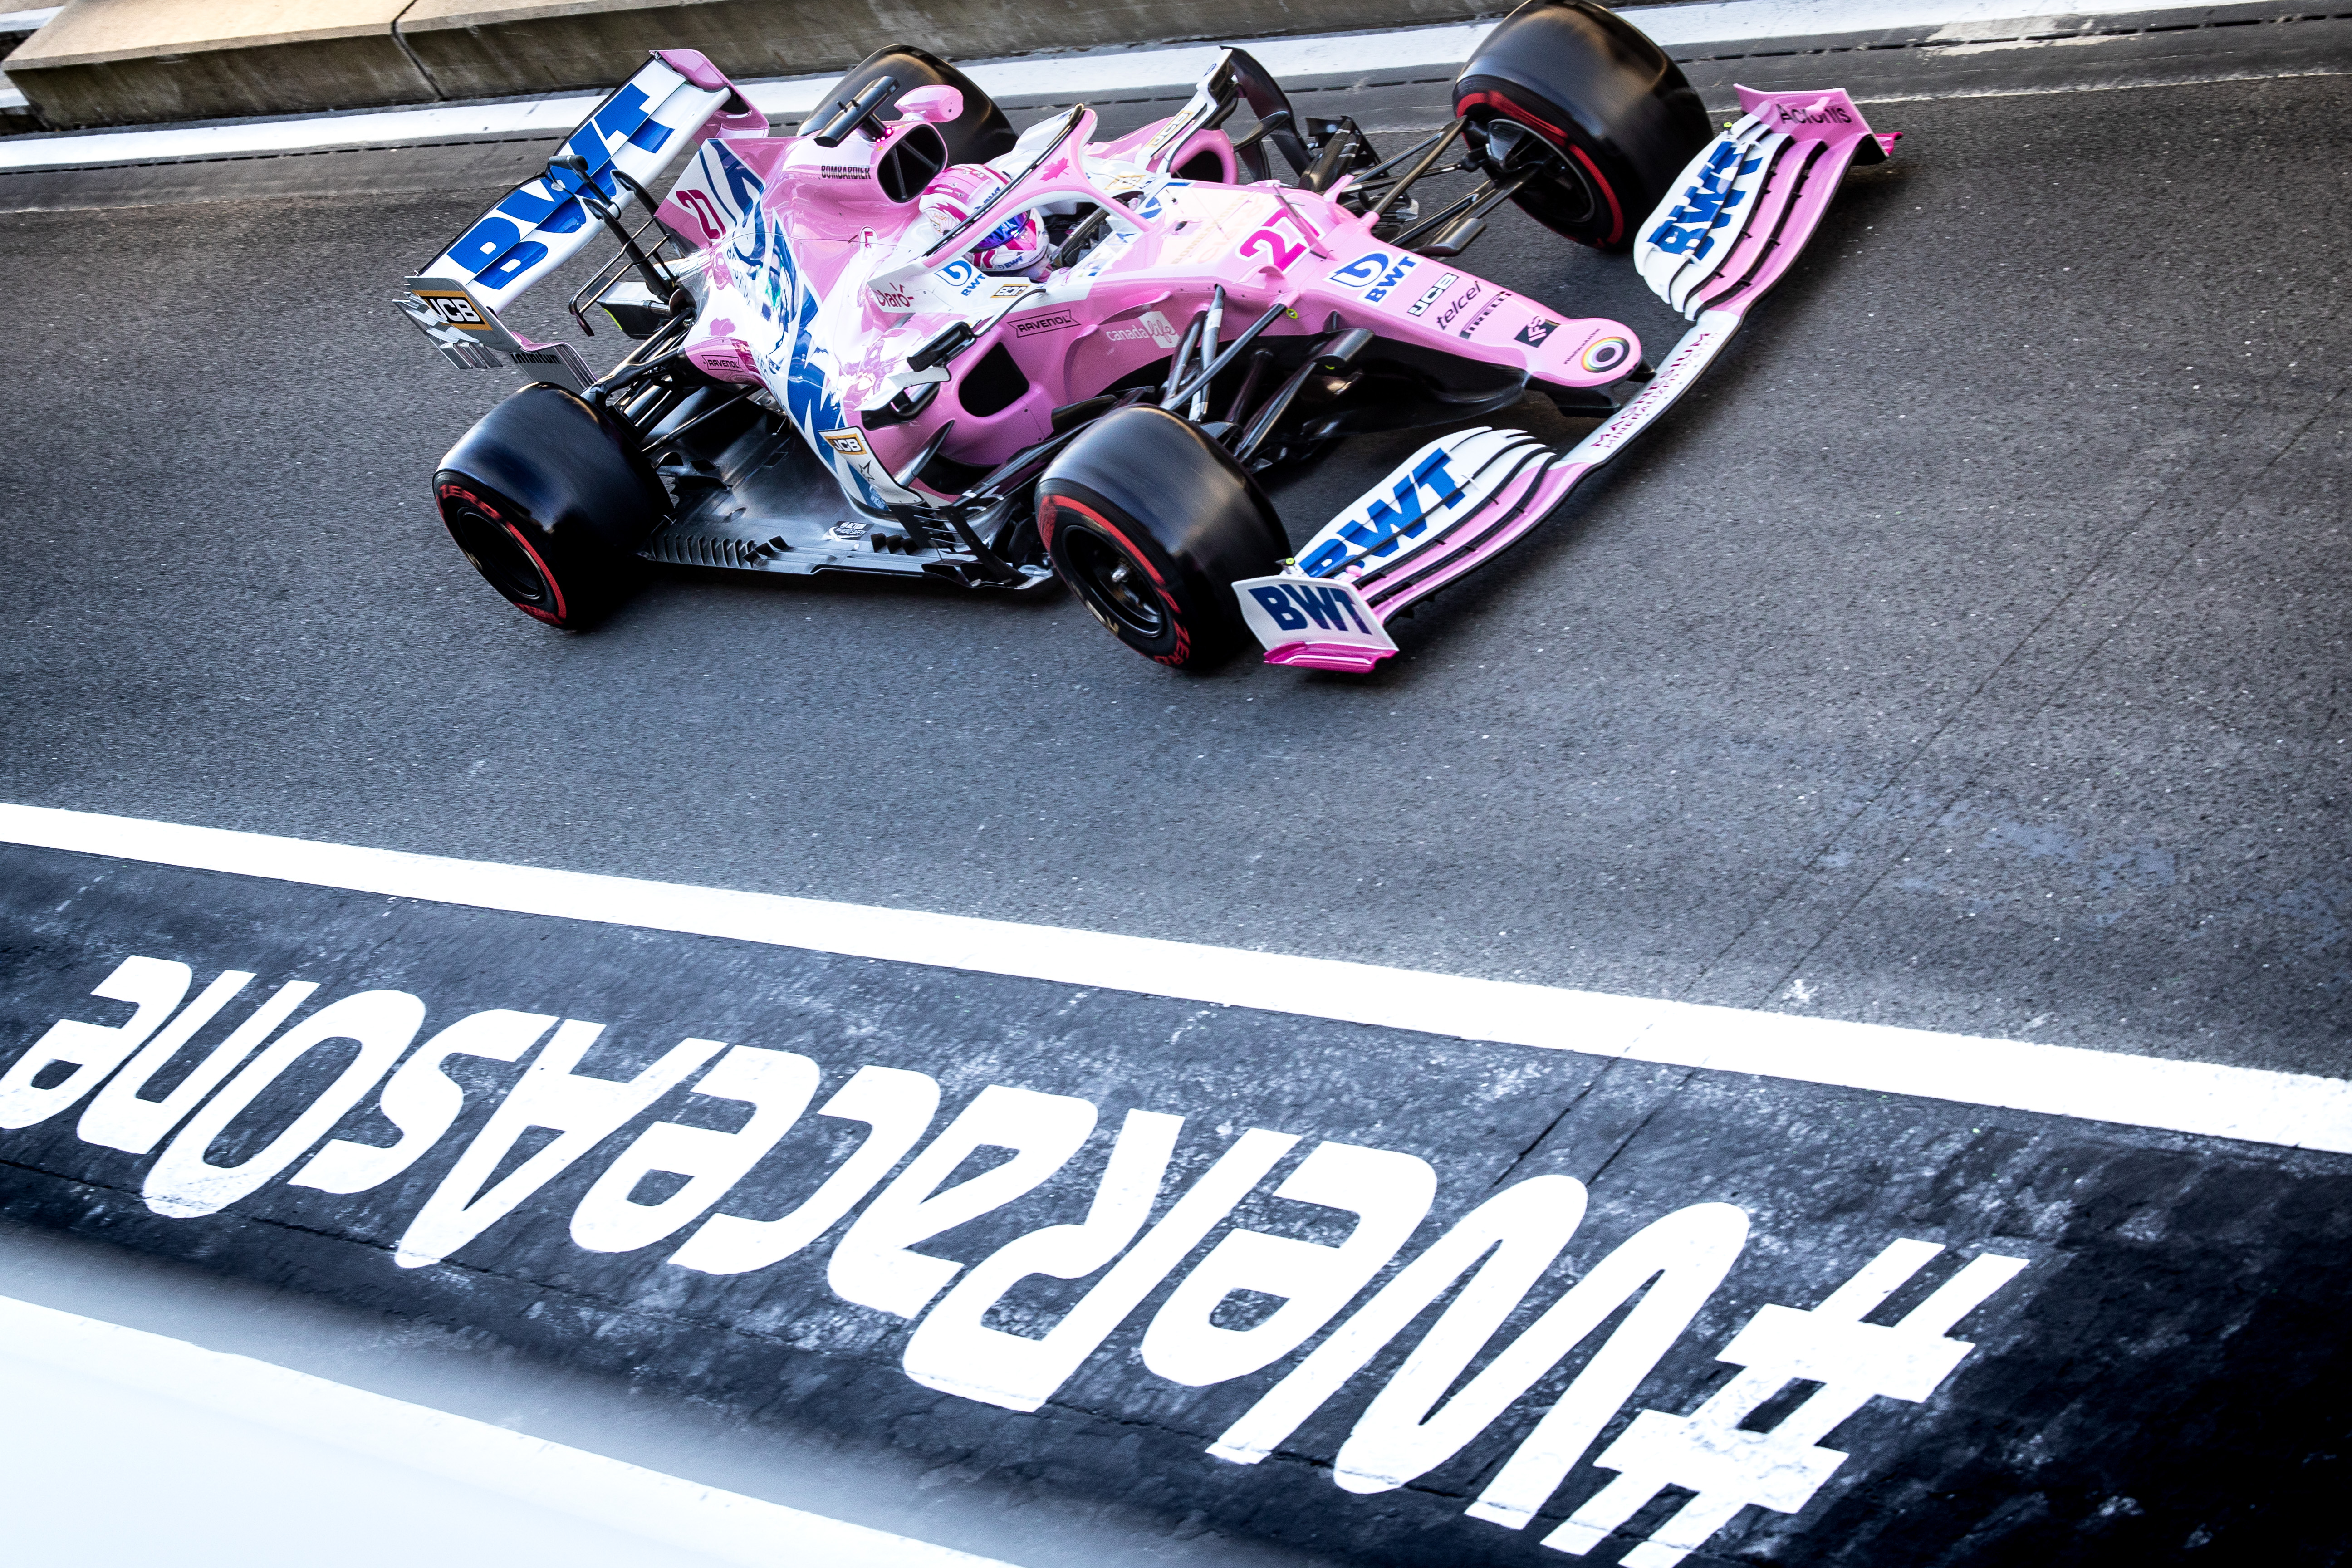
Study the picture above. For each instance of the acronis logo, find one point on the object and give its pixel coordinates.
(1401, 515)
(1703, 203)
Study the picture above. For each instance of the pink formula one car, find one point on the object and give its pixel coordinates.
(908, 342)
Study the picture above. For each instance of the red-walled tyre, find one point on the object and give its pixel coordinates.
(1588, 82)
(1151, 523)
(549, 501)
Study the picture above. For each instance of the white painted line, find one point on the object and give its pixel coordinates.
(1096, 73)
(2291, 1110)
(724, 1527)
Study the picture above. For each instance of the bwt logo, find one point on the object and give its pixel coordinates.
(494, 250)
(1293, 605)
(1703, 203)
(1376, 533)
(1374, 273)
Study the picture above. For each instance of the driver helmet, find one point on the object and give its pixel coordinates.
(1016, 245)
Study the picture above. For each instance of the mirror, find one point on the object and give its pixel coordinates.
(931, 105)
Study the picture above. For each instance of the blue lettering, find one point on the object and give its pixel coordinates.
(1435, 464)
(484, 243)
(541, 212)
(1279, 607)
(1342, 606)
(502, 273)
(592, 152)
(1314, 601)
(529, 206)
(1407, 517)
(618, 116)
(1703, 203)
(1325, 559)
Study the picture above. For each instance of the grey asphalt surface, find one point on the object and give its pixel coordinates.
(1970, 653)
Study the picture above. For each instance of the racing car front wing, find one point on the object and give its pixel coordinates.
(1740, 213)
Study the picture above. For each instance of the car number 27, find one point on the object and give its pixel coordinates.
(1280, 251)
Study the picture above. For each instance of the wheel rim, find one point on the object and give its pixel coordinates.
(1568, 196)
(501, 558)
(1114, 583)
(1573, 200)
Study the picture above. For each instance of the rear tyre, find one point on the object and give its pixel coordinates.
(550, 499)
(1593, 86)
(1150, 523)
(979, 134)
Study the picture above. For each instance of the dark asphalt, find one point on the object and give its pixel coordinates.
(1970, 653)
(2172, 1309)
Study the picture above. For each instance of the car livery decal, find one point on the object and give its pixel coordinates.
(1429, 295)
(791, 360)
(537, 226)
(1376, 272)
(1705, 201)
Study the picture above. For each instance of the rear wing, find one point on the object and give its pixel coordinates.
(627, 140)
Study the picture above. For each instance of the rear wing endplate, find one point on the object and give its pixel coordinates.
(634, 135)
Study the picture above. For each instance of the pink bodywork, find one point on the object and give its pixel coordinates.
(1808, 140)
(817, 285)
(1114, 312)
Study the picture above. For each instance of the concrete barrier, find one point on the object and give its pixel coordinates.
(117, 62)
(474, 49)
(15, 27)
(125, 62)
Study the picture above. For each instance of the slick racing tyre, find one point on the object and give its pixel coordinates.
(549, 501)
(1590, 83)
(1151, 523)
(979, 134)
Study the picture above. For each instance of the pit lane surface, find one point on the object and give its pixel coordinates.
(1967, 654)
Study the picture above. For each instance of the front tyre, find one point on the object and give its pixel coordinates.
(1150, 523)
(550, 499)
(1593, 86)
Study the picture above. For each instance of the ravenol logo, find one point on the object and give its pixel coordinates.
(1703, 203)
(1378, 530)
(1362, 271)
(1293, 605)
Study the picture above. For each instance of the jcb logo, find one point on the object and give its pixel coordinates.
(457, 311)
